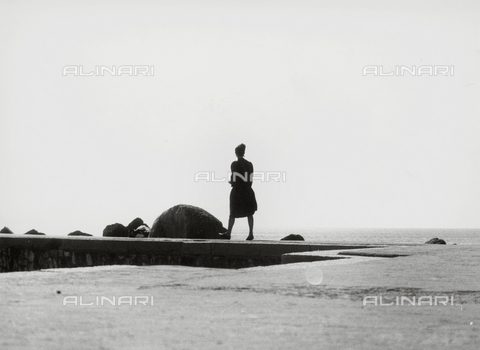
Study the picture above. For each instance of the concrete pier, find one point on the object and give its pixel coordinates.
(29, 253)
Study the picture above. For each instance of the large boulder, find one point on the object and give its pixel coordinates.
(187, 221)
(5, 230)
(435, 241)
(79, 233)
(293, 237)
(34, 232)
(115, 230)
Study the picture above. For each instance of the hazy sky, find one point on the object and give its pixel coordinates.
(283, 77)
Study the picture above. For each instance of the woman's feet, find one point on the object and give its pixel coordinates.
(225, 235)
(250, 237)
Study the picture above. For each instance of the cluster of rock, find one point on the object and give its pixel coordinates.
(35, 232)
(180, 221)
(136, 229)
(31, 232)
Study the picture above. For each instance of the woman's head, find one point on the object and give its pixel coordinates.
(240, 150)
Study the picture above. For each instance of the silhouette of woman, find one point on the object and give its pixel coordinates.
(242, 198)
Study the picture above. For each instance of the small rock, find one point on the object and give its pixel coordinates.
(34, 232)
(79, 233)
(435, 241)
(5, 230)
(293, 237)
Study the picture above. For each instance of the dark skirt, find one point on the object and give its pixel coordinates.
(242, 201)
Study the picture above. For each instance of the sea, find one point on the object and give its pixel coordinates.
(367, 235)
(460, 236)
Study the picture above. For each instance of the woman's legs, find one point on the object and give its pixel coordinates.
(231, 221)
(250, 226)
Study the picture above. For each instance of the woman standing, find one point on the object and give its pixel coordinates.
(242, 198)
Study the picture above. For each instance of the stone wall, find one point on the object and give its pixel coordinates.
(28, 253)
(18, 259)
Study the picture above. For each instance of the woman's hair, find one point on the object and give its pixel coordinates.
(240, 150)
